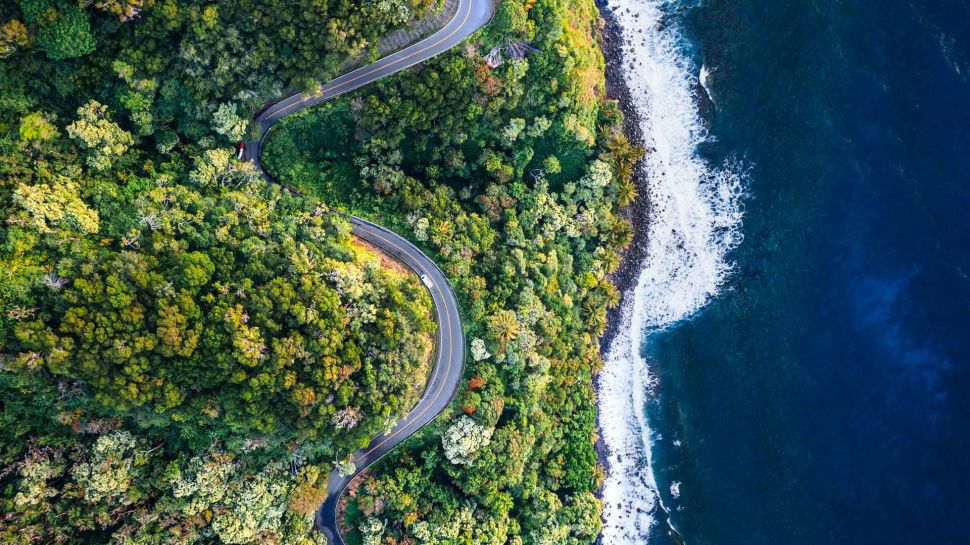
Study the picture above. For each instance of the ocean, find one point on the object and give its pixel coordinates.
(792, 361)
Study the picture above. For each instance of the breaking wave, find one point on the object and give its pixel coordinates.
(694, 222)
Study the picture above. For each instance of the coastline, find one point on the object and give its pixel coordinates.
(632, 258)
(639, 214)
(685, 221)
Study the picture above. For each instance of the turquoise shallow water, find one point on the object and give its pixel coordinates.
(824, 395)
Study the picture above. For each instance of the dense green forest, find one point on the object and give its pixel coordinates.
(185, 350)
(511, 177)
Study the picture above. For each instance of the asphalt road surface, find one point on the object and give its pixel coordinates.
(442, 384)
(446, 374)
(470, 16)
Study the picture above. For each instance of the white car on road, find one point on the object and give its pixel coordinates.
(427, 281)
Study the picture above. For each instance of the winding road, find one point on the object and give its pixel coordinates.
(446, 374)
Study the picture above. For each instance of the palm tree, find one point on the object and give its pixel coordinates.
(611, 262)
(627, 191)
(611, 295)
(623, 153)
(504, 327)
(620, 233)
(594, 313)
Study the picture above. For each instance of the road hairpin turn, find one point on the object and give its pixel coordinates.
(446, 374)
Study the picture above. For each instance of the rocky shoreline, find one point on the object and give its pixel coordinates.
(632, 258)
(637, 213)
(626, 276)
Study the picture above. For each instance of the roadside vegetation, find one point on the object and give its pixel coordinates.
(511, 176)
(184, 350)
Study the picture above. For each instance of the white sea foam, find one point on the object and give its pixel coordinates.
(695, 220)
(704, 78)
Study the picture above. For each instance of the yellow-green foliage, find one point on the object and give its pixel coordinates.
(186, 349)
(509, 173)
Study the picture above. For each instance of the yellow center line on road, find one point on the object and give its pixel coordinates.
(283, 108)
(448, 368)
(376, 67)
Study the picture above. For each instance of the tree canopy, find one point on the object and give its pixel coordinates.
(187, 351)
(511, 175)
(184, 348)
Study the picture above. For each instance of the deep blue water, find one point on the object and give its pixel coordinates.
(824, 397)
